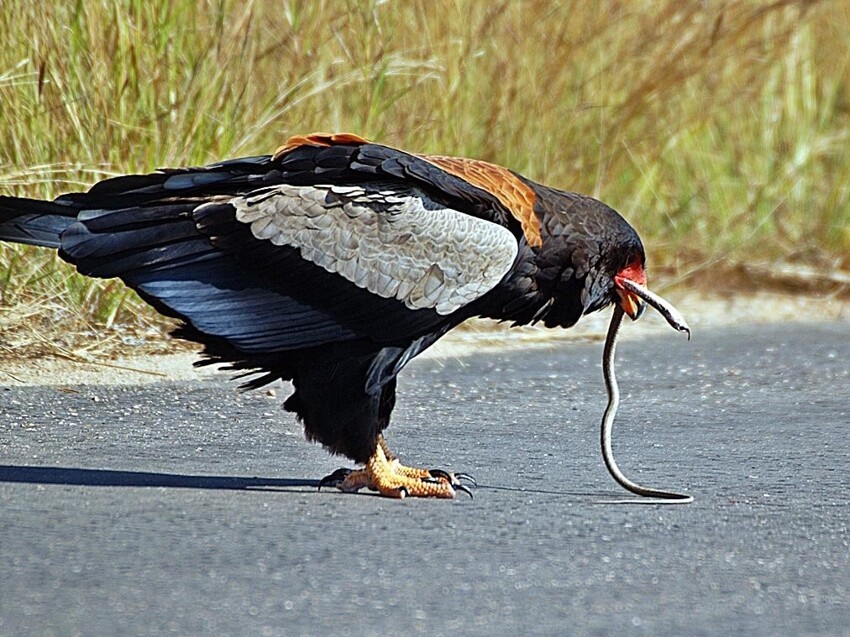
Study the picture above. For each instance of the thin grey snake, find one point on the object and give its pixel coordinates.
(652, 496)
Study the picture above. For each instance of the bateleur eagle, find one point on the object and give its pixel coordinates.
(335, 261)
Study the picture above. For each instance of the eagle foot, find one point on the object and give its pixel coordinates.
(392, 479)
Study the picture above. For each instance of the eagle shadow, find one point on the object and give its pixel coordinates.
(113, 478)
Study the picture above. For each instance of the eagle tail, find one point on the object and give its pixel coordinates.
(34, 221)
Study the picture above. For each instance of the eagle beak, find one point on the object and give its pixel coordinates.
(632, 305)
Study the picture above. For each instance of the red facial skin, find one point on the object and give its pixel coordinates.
(630, 303)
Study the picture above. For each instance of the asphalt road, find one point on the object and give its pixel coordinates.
(191, 509)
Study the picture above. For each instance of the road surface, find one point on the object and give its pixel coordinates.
(188, 508)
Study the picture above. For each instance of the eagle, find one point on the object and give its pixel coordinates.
(335, 261)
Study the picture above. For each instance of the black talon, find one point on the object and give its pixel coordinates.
(440, 474)
(334, 478)
(467, 477)
(452, 478)
(462, 487)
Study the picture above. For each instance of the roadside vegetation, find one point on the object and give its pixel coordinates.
(721, 130)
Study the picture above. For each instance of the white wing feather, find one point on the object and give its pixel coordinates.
(394, 245)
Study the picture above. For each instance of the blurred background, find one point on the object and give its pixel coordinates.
(721, 130)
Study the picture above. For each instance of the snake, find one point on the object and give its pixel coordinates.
(672, 316)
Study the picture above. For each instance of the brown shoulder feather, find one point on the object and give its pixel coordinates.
(501, 182)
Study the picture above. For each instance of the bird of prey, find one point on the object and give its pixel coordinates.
(335, 261)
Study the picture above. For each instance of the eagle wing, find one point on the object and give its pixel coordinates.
(315, 245)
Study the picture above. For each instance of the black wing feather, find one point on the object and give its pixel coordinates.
(177, 270)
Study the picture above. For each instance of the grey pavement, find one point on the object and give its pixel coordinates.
(191, 509)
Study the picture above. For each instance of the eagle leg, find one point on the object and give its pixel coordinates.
(392, 479)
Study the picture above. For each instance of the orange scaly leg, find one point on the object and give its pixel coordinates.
(386, 475)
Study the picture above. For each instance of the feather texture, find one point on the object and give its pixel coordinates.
(398, 246)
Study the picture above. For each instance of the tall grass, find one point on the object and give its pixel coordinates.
(719, 129)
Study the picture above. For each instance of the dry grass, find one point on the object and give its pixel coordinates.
(719, 129)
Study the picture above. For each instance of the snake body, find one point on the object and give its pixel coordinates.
(653, 496)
